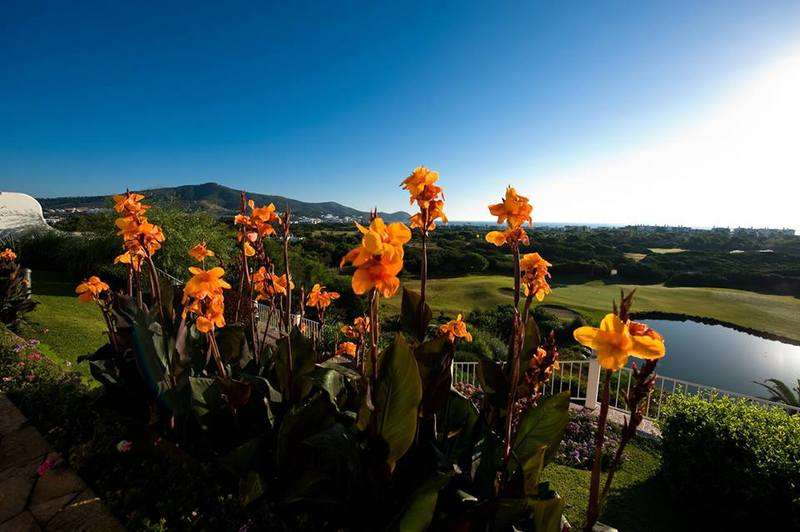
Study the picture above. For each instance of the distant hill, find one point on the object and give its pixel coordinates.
(220, 199)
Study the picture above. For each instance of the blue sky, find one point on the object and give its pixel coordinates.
(581, 105)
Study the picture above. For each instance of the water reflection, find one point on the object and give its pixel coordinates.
(725, 358)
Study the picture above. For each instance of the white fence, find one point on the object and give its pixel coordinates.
(309, 328)
(582, 379)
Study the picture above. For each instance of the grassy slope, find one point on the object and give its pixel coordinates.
(769, 313)
(72, 328)
(638, 498)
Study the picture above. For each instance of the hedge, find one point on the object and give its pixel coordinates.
(732, 464)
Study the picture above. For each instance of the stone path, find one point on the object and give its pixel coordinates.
(57, 500)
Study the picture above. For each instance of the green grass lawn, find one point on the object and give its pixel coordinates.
(638, 498)
(66, 327)
(768, 313)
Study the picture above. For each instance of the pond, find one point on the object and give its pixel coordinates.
(725, 358)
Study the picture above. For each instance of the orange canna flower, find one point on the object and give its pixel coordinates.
(257, 224)
(642, 329)
(358, 329)
(379, 258)
(200, 252)
(346, 349)
(419, 179)
(8, 255)
(456, 328)
(614, 342)
(268, 285)
(212, 316)
(205, 283)
(379, 273)
(320, 298)
(129, 203)
(421, 188)
(514, 209)
(511, 236)
(90, 289)
(130, 257)
(534, 274)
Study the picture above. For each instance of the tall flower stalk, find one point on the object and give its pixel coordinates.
(514, 210)
(378, 260)
(617, 339)
(430, 200)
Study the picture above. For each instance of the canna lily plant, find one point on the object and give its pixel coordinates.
(375, 423)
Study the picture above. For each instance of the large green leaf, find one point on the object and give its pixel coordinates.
(150, 360)
(459, 426)
(302, 421)
(331, 382)
(418, 512)
(547, 513)
(531, 342)
(411, 315)
(303, 362)
(397, 397)
(510, 511)
(542, 425)
(435, 360)
(233, 346)
(207, 400)
(532, 470)
(251, 487)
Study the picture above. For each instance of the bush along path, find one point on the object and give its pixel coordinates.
(37, 490)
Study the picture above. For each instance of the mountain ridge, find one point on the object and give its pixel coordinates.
(220, 199)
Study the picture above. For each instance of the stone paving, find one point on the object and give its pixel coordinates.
(55, 500)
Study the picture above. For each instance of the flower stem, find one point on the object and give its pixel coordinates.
(423, 281)
(516, 346)
(593, 511)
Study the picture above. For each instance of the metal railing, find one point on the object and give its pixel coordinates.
(309, 328)
(582, 379)
(665, 386)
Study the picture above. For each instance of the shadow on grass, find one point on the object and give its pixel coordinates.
(645, 505)
(52, 284)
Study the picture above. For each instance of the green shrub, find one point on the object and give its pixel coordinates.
(732, 463)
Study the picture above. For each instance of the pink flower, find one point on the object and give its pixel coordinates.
(35, 356)
(124, 446)
(30, 377)
(21, 363)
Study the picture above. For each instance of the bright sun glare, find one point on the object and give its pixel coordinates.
(739, 165)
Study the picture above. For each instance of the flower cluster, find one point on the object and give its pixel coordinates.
(202, 296)
(616, 340)
(254, 226)
(541, 367)
(200, 252)
(347, 349)
(379, 258)
(578, 446)
(268, 285)
(320, 298)
(90, 289)
(140, 237)
(7, 256)
(355, 333)
(456, 328)
(514, 210)
(534, 274)
(421, 189)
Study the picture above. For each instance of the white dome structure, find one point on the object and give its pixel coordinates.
(19, 213)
